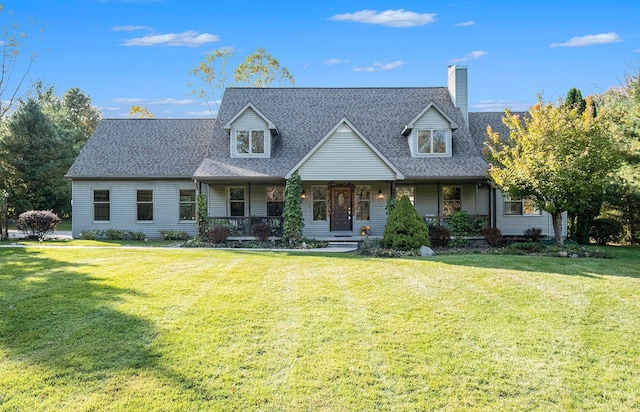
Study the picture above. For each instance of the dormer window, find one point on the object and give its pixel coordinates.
(251, 133)
(432, 141)
(249, 142)
(429, 133)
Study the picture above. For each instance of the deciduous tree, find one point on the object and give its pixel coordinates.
(16, 60)
(140, 112)
(554, 156)
(259, 69)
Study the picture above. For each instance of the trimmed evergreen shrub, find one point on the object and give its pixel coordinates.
(405, 229)
(37, 224)
(439, 235)
(606, 230)
(492, 235)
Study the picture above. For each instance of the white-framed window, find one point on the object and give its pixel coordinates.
(319, 203)
(433, 142)
(236, 201)
(187, 204)
(520, 207)
(144, 205)
(451, 199)
(363, 202)
(101, 205)
(275, 200)
(408, 191)
(249, 141)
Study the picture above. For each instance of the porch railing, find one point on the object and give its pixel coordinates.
(479, 222)
(243, 225)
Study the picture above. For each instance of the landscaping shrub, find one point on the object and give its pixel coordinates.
(174, 235)
(526, 248)
(461, 224)
(405, 229)
(492, 235)
(533, 234)
(439, 235)
(131, 235)
(606, 230)
(113, 234)
(261, 231)
(89, 235)
(218, 234)
(37, 224)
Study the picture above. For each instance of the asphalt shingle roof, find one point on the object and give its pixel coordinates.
(185, 148)
(304, 116)
(144, 148)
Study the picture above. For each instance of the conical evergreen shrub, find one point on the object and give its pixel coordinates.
(405, 229)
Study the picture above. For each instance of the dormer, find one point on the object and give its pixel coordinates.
(251, 133)
(429, 133)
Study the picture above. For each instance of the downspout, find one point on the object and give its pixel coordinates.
(493, 201)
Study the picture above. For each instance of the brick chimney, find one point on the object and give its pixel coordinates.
(457, 85)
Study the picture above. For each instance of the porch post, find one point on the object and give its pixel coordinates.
(249, 198)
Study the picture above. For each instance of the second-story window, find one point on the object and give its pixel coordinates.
(249, 142)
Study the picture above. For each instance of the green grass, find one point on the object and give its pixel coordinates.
(84, 329)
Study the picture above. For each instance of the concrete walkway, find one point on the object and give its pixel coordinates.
(60, 235)
(63, 235)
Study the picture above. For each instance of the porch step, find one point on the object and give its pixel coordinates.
(344, 243)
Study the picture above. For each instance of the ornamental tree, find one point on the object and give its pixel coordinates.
(555, 156)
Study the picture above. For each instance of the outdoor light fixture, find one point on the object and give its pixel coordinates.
(380, 195)
(303, 195)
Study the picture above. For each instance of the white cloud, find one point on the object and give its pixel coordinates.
(590, 40)
(500, 105)
(474, 55)
(466, 24)
(149, 102)
(389, 18)
(380, 67)
(130, 28)
(333, 61)
(203, 113)
(188, 38)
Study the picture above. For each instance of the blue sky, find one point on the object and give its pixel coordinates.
(125, 52)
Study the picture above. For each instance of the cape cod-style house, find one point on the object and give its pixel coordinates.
(352, 147)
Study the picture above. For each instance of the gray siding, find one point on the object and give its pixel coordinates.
(458, 87)
(516, 225)
(350, 158)
(123, 206)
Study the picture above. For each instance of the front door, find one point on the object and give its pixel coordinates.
(341, 209)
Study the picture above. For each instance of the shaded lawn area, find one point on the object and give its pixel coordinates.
(193, 329)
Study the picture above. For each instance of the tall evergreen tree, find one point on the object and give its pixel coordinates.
(34, 157)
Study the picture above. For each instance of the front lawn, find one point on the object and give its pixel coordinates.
(201, 329)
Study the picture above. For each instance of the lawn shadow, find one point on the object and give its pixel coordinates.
(65, 323)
